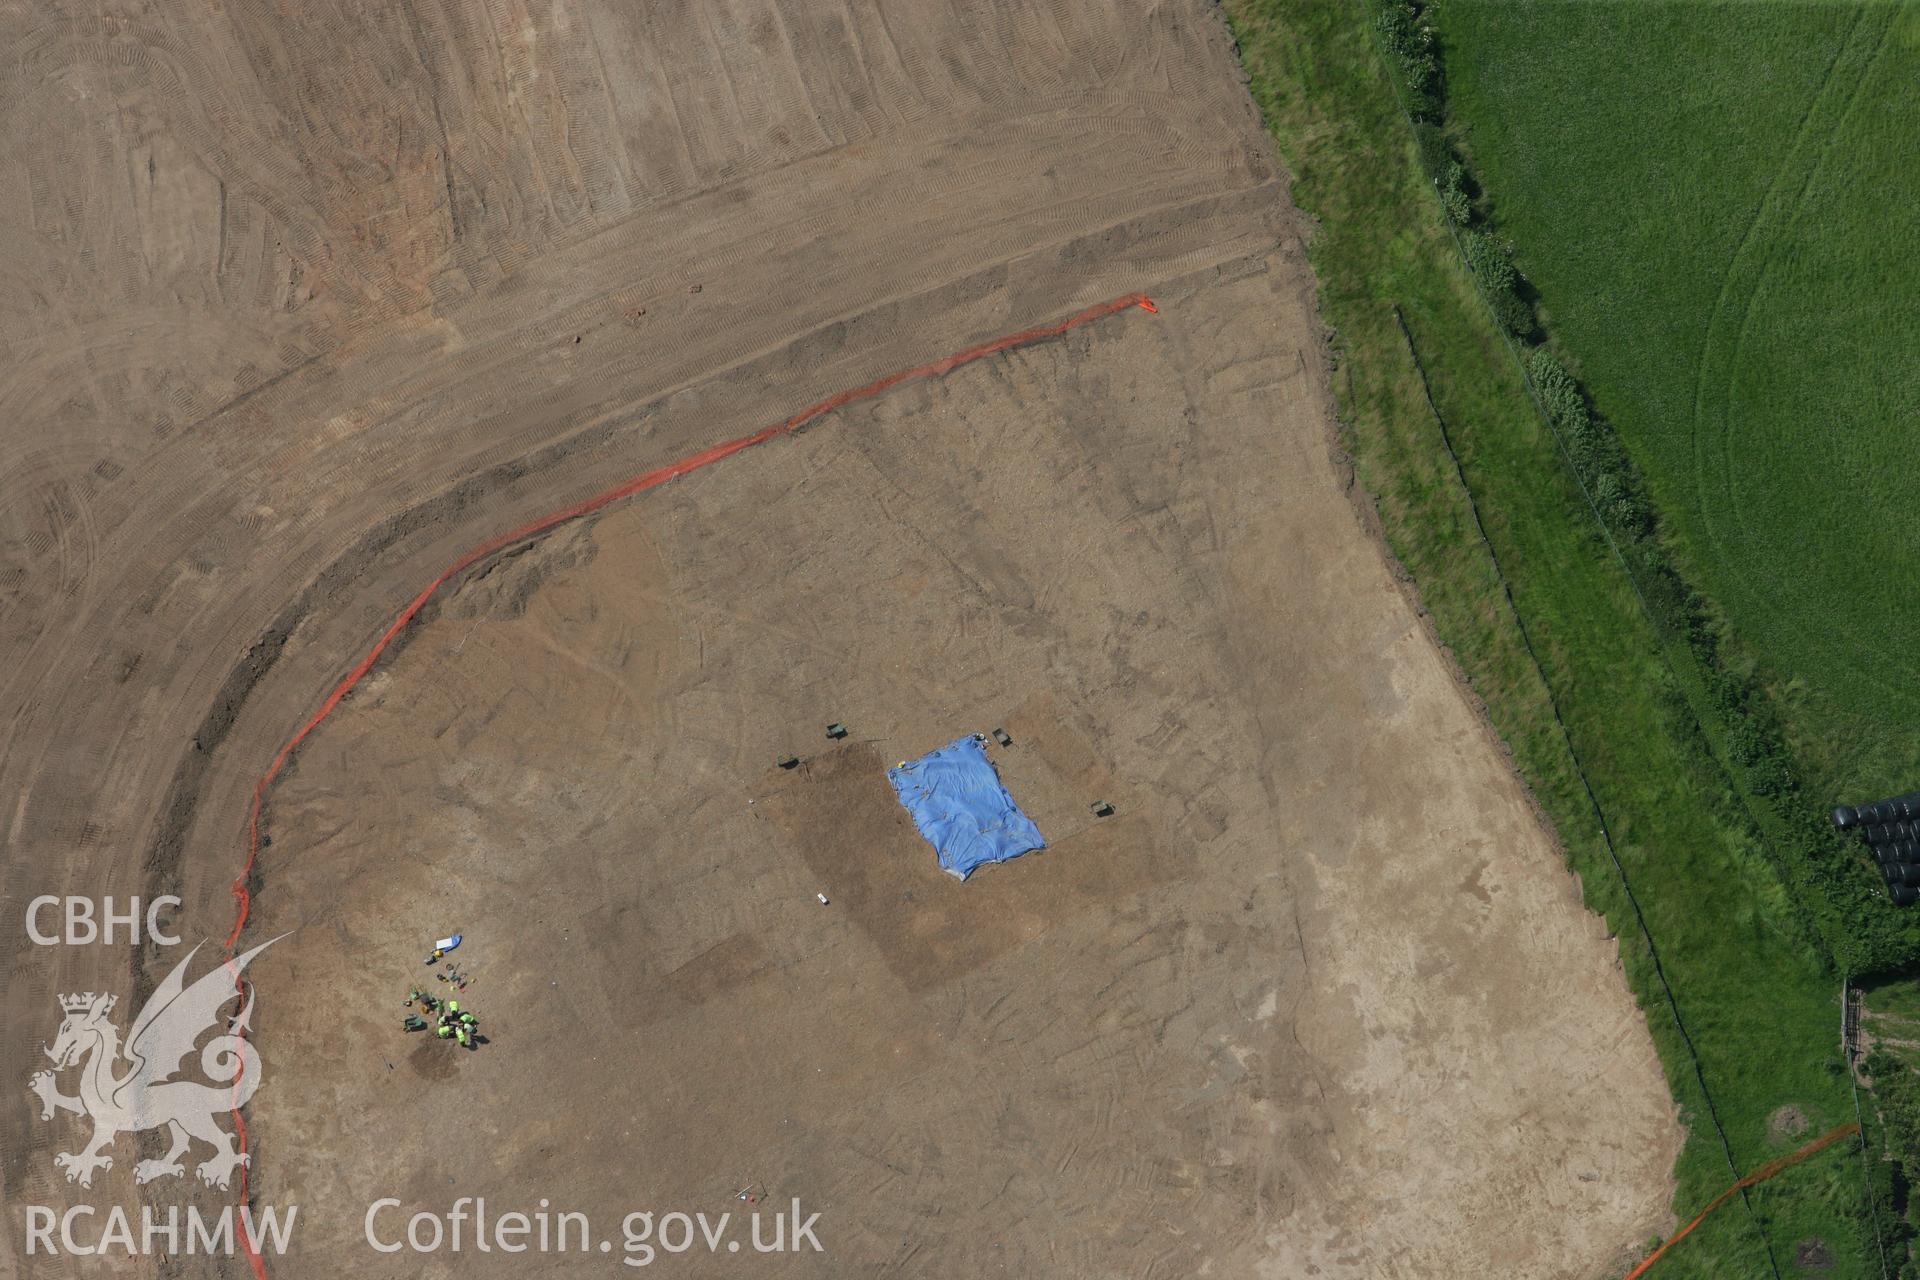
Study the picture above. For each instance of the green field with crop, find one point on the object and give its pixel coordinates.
(1717, 207)
(1719, 204)
(1618, 717)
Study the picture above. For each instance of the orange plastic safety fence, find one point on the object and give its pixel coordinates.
(1761, 1174)
(646, 480)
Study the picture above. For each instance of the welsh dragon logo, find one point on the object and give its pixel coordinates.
(146, 1095)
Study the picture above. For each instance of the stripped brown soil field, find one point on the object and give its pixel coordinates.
(307, 301)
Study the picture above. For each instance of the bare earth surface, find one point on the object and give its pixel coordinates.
(305, 301)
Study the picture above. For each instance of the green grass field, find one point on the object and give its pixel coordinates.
(1890, 1014)
(1719, 204)
(1758, 1001)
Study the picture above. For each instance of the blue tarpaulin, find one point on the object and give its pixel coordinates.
(958, 803)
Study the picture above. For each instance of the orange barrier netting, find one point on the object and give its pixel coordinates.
(646, 480)
(1761, 1174)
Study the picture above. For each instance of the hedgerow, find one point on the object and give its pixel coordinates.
(1834, 892)
(1897, 1089)
(1842, 911)
(1603, 713)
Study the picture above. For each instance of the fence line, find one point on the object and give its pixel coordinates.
(1849, 1049)
(1579, 771)
(1760, 830)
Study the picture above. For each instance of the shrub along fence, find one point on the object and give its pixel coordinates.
(1840, 903)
